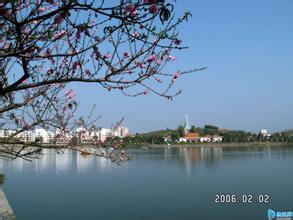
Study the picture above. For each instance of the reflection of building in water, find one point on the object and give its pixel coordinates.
(167, 153)
(83, 163)
(17, 164)
(64, 160)
(211, 153)
(48, 160)
(103, 163)
(193, 155)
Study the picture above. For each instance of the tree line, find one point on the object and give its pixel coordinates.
(229, 136)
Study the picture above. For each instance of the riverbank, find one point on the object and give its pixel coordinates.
(236, 144)
(6, 212)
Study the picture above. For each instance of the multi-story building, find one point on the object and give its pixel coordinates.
(4, 133)
(62, 136)
(43, 135)
(27, 136)
(122, 132)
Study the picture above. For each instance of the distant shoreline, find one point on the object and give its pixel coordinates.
(233, 144)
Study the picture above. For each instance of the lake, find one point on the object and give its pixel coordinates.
(158, 184)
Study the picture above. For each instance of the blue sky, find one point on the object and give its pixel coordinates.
(248, 49)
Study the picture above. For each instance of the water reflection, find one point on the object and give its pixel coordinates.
(189, 158)
(58, 163)
(48, 159)
(203, 155)
(210, 157)
(64, 161)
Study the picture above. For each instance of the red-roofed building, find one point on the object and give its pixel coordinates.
(192, 137)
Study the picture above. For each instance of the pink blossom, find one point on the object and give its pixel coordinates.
(97, 53)
(136, 34)
(58, 19)
(77, 35)
(59, 35)
(153, 9)
(75, 65)
(156, 40)
(166, 52)
(74, 51)
(6, 45)
(159, 81)
(175, 76)
(88, 72)
(49, 71)
(48, 52)
(71, 96)
(107, 56)
(35, 21)
(42, 9)
(172, 58)
(69, 92)
(152, 58)
(126, 54)
(139, 64)
(130, 8)
(178, 42)
(159, 62)
(145, 92)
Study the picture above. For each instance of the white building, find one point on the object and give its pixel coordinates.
(44, 135)
(62, 136)
(208, 138)
(82, 135)
(103, 133)
(182, 140)
(264, 132)
(217, 138)
(100, 134)
(4, 133)
(122, 132)
(27, 136)
(204, 139)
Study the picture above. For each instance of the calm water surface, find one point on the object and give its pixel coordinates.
(158, 184)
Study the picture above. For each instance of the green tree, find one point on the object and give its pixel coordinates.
(210, 129)
(193, 129)
(181, 131)
(175, 135)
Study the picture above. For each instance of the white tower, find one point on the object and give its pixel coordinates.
(186, 124)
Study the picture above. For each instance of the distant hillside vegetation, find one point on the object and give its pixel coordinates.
(289, 132)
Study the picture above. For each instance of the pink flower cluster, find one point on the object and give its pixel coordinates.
(107, 56)
(139, 64)
(153, 9)
(152, 58)
(126, 54)
(175, 76)
(145, 92)
(172, 58)
(96, 53)
(49, 71)
(131, 9)
(70, 94)
(59, 35)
